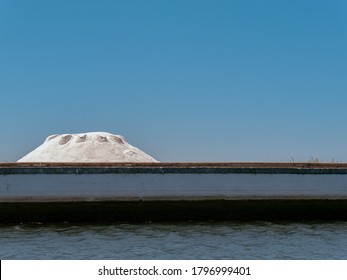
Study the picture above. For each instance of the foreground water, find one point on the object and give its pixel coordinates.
(230, 240)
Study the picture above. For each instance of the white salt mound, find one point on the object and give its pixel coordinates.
(86, 147)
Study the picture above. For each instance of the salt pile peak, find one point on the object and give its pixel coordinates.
(87, 147)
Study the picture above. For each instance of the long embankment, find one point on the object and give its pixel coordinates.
(166, 192)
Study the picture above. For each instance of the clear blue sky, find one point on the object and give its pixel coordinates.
(183, 80)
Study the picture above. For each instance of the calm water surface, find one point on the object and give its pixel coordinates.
(230, 240)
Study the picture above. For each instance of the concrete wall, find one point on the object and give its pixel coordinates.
(172, 186)
(172, 192)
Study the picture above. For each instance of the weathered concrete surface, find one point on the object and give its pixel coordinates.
(167, 186)
(172, 191)
(171, 181)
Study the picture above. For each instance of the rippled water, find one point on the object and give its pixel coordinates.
(230, 240)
